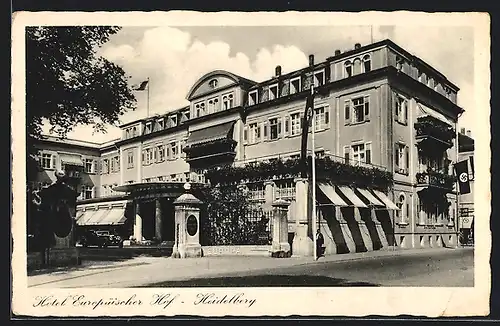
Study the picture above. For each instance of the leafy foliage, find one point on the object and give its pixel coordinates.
(326, 169)
(68, 83)
(231, 219)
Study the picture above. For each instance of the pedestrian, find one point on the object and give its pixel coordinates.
(319, 244)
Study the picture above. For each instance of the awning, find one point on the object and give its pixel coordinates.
(388, 203)
(79, 214)
(115, 216)
(351, 196)
(433, 113)
(209, 134)
(86, 216)
(372, 199)
(98, 216)
(329, 192)
(71, 160)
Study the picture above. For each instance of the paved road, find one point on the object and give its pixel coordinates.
(420, 267)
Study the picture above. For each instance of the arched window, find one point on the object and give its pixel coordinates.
(357, 66)
(367, 63)
(402, 213)
(348, 69)
(134, 131)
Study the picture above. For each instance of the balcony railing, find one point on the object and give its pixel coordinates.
(434, 130)
(435, 179)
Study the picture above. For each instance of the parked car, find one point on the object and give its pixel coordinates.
(101, 239)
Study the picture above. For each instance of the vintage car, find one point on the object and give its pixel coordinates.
(101, 239)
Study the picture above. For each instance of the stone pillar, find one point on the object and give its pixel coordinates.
(268, 194)
(187, 226)
(302, 241)
(137, 223)
(280, 245)
(158, 220)
(421, 217)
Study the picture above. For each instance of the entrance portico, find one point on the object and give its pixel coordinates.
(154, 216)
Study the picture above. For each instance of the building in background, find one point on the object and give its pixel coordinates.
(466, 201)
(378, 106)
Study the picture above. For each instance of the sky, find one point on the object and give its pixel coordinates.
(174, 58)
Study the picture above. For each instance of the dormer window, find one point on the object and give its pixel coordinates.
(199, 109)
(161, 124)
(430, 82)
(127, 134)
(173, 118)
(148, 127)
(399, 63)
(319, 78)
(227, 101)
(252, 97)
(295, 85)
(421, 77)
(357, 66)
(273, 92)
(367, 63)
(134, 131)
(213, 105)
(348, 69)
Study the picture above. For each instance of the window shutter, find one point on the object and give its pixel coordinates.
(95, 166)
(301, 115)
(327, 116)
(245, 135)
(280, 131)
(347, 155)
(183, 145)
(264, 125)
(287, 125)
(407, 158)
(143, 158)
(168, 151)
(347, 111)
(179, 149)
(54, 162)
(395, 105)
(257, 138)
(367, 107)
(405, 111)
(368, 153)
(396, 157)
(155, 154)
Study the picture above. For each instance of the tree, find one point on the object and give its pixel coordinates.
(69, 84)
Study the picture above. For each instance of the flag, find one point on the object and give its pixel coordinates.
(308, 112)
(462, 172)
(142, 86)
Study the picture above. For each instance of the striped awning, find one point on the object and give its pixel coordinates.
(71, 160)
(351, 196)
(114, 217)
(433, 113)
(98, 216)
(371, 198)
(84, 216)
(210, 134)
(330, 193)
(383, 197)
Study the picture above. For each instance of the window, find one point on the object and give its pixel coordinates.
(401, 111)
(285, 190)
(257, 192)
(360, 153)
(367, 63)
(321, 118)
(213, 105)
(296, 128)
(401, 158)
(361, 108)
(399, 62)
(320, 154)
(199, 109)
(421, 77)
(48, 161)
(134, 131)
(148, 127)
(147, 156)
(274, 128)
(227, 101)
(161, 153)
(254, 136)
(105, 166)
(319, 78)
(127, 134)
(273, 92)
(113, 164)
(430, 82)
(161, 124)
(130, 159)
(174, 150)
(252, 97)
(402, 213)
(173, 118)
(348, 69)
(295, 85)
(357, 66)
(87, 192)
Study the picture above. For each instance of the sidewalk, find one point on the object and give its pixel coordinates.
(146, 270)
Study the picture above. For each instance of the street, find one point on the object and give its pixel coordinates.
(416, 267)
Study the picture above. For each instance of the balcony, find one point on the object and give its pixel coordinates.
(433, 134)
(434, 179)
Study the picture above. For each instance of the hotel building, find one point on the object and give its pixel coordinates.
(378, 106)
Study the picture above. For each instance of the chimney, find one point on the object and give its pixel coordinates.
(311, 60)
(468, 133)
(357, 46)
(278, 71)
(338, 52)
(462, 131)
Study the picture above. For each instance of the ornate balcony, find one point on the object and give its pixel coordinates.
(432, 179)
(433, 133)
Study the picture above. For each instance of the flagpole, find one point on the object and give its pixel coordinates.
(457, 230)
(147, 112)
(313, 161)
